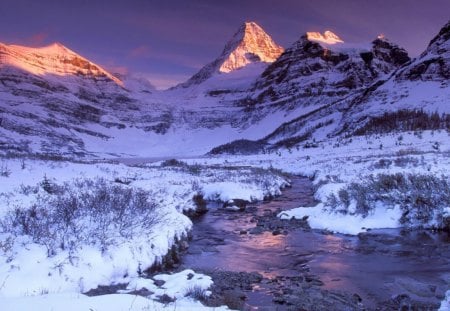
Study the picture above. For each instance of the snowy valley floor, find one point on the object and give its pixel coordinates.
(47, 264)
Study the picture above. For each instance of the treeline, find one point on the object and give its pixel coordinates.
(405, 120)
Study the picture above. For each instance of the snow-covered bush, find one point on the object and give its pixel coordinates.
(4, 170)
(88, 211)
(423, 199)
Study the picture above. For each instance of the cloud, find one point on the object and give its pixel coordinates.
(113, 67)
(165, 81)
(117, 69)
(142, 51)
(37, 40)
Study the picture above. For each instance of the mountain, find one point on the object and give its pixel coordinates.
(54, 101)
(55, 61)
(318, 70)
(250, 44)
(393, 93)
(328, 37)
(419, 85)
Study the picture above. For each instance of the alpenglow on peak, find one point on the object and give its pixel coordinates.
(327, 37)
(54, 59)
(249, 44)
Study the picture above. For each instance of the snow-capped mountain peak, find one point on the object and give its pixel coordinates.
(54, 59)
(327, 37)
(250, 44)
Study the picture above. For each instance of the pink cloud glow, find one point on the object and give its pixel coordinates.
(142, 51)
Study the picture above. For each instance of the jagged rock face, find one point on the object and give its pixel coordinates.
(441, 43)
(250, 44)
(319, 69)
(434, 63)
(389, 53)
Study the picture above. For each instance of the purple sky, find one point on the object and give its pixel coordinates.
(169, 40)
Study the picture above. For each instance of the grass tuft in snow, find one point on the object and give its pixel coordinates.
(197, 292)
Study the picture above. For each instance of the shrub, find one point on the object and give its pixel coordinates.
(173, 162)
(92, 212)
(382, 164)
(48, 186)
(422, 198)
(240, 146)
(4, 170)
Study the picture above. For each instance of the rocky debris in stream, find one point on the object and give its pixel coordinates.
(301, 292)
(230, 288)
(235, 205)
(403, 302)
(270, 222)
(305, 293)
(200, 207)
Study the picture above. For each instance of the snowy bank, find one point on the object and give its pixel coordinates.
(445, 304)
(321, 218)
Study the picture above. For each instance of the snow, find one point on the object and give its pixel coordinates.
(327, 37)
(321, 218)
(116, 302)
(445, 304)
(225, 191)
(178, 285)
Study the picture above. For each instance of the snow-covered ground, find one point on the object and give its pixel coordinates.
(445, 304)
(177, 286)
(36, 271)
(336, 163)
(31, 275)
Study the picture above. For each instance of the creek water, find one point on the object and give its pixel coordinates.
(377, 265)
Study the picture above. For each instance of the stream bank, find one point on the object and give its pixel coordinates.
(260, 262)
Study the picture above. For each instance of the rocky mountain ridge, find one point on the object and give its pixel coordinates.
(317, 88)
(396, 94)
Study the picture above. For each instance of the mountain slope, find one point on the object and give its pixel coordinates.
(422, 84)
(314, 72)
(50, 96)
(250, 44)
(53, 60)
(318, 88)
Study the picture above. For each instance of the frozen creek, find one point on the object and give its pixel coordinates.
(259, 262)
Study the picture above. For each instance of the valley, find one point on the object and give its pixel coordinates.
(310, 177)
